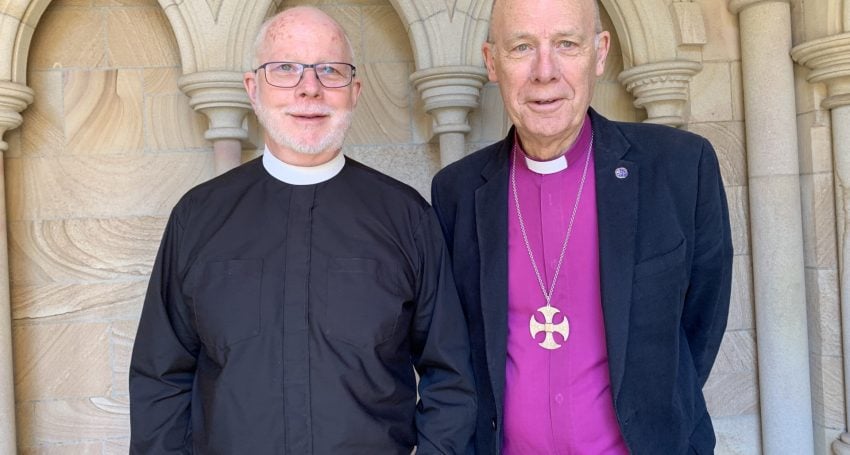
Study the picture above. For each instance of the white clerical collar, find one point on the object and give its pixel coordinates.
(302, 175)
(546, 167)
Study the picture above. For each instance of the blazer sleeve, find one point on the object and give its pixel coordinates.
(706, 305)
(162, 367)
(446, 411)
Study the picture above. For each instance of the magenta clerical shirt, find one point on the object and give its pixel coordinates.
(557, 401)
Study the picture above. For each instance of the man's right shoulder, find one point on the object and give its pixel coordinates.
(467, 170)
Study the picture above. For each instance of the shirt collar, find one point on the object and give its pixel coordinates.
(560, 163)
(302, 175)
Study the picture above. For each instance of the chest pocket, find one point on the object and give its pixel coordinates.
(364, 304)
(227, 301)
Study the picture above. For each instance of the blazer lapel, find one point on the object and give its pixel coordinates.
(491, 208)
(616, 205)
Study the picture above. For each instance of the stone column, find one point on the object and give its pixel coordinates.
(220, 96)
(450, 92)
(776, 226)
(14, 98)
(662, 89)
(829, 61)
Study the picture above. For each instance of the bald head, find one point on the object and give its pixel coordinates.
(498, 13)
(298, 20)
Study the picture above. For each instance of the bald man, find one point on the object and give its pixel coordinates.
(593, 258)
(293, 298)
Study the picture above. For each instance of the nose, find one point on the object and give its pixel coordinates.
(546, 67)
(309, 86)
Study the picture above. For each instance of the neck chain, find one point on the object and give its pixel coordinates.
(548, 311)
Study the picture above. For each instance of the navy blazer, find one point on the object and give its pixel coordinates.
(665, 256)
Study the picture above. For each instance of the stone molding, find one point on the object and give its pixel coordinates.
(14, 98)
(449, 94)
(829, 61)
(449, 90)
(662, 89)
(220, 96)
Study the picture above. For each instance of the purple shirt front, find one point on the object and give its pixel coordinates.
(557, 401)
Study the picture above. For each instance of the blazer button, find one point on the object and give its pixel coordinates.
(493, 422)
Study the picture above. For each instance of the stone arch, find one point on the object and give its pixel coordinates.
(18, 20)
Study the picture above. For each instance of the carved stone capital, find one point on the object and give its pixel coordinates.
(661, 88)
(736, 6)
(14, 98)
(829, 61)
(449, 93)
(220, 96)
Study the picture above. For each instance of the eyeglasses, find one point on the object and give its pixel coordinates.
(289, 74)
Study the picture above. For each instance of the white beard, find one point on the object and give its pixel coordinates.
(332, 141)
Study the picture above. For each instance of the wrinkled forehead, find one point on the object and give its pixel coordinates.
(306, 36)
(510, 18)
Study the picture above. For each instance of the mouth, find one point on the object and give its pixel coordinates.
(545, 104)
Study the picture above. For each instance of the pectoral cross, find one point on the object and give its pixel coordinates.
(549, 327)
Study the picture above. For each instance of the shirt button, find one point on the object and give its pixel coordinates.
(559, 398)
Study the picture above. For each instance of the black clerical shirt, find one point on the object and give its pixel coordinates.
(287, 319)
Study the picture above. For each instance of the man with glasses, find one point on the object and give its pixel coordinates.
(293, 297)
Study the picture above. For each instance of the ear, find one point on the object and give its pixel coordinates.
(487, 49)
(602, 51)
(355, 91)
(249, 80)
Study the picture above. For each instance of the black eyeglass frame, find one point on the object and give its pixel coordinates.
(305, 66)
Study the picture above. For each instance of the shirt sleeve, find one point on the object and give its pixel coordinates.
(445, 415)
(706, 306)
(162, 368)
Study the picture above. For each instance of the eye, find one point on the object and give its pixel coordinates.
(565, 44)
(285, 67)
(328, 70)
(524, 47)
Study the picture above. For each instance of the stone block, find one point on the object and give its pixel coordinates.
(814, 135)
(384, 36)
(714, 79)
(102, 186)
(732, 388)
(727, 138)
(127, 27)
(721, 27)
(172, 124)
(116, 446)
(490, 122)
(77, 303)
(74, 421)
(83, 448)
(824, 311)
(73, 250)
(818, 208)
(69, 38)
(808, 96)
(126, 3)
(738, 435)
(43, 129)
(58, 361)
(611, 99)
(99, 101)
(741, 307)
(122, 337)
(737, 91)
(412, 164)
(739, 212)
(383, 110)
(827, 390)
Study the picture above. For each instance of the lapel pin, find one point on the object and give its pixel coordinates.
(621, 173)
